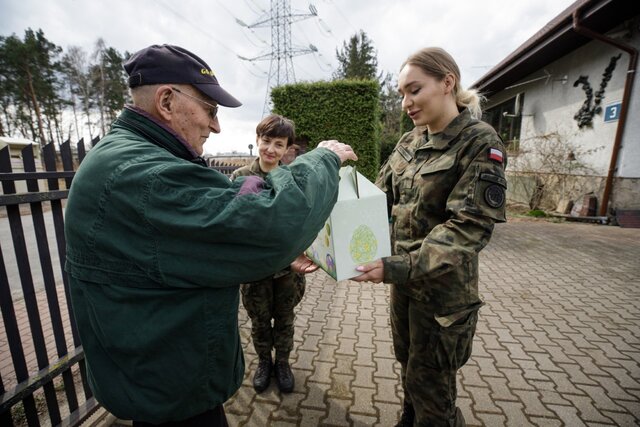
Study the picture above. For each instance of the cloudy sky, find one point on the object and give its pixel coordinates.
(479, 34)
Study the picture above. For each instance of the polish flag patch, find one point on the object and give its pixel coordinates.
(496, 155)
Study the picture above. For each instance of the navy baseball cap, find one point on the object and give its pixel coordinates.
(160, 64)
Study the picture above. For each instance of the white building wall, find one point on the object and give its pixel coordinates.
(550, 105)
(629, 160)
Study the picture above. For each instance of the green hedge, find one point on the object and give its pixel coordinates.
(346, 110)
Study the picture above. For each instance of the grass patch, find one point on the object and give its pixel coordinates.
(537, 213)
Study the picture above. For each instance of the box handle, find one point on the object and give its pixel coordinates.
(354, 177)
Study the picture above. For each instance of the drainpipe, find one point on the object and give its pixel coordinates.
(633, 59)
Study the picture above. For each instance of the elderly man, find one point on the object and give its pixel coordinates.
(157, 244)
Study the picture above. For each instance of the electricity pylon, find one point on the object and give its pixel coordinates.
(281, 69)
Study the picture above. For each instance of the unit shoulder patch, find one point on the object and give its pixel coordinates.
(494, 196)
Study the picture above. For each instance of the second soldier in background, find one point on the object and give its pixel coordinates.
(276, 296)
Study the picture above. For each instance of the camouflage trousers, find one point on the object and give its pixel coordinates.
(430, 356)
(273, 298)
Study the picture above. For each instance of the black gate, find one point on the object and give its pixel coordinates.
(42, 369)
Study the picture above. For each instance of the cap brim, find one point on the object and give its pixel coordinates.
(215, 92)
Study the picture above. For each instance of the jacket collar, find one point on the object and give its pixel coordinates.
(442, 140)
(255, 168)
(142, 123)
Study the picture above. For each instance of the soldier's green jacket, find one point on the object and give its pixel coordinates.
(445, 191)
(157, 246)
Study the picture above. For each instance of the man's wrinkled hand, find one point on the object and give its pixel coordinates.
(344, 151)
(303, 265)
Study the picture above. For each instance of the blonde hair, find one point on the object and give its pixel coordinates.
(436, 62)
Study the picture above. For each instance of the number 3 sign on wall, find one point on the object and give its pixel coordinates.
(612, 112)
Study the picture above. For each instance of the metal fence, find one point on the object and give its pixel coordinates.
(42, 368)
(223, 167)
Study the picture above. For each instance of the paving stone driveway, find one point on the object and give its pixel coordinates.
(558, 342)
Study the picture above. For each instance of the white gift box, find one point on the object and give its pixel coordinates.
(357, 231)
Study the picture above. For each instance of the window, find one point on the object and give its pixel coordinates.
(506, 119)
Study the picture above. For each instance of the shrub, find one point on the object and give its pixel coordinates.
(346, 110)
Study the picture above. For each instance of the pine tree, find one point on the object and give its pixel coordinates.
(357, 59)
(30, 85)
(116, 92)
(37, 86)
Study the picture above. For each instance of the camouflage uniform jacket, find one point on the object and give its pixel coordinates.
(444, 191)
(252, 168)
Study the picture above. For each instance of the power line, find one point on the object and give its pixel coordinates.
(178, 15)
(325, 29)
(316, 54)
(262, 74)
(281, 70)
(264, 43)
(343, 15)
(225, 8)
(260, 9)
(326, 66)
(242, 24)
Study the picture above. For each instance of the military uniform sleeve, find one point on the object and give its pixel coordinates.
(476, 202)
(213, 235)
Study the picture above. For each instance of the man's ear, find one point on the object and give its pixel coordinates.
(164, 100)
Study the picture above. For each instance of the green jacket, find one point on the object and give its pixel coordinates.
(445, 191)
(157, 245)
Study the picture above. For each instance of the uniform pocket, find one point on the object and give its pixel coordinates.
(443, 163)
(438, 178)
(451, 345)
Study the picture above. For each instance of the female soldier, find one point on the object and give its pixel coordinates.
(445, 189)
(276, 296)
